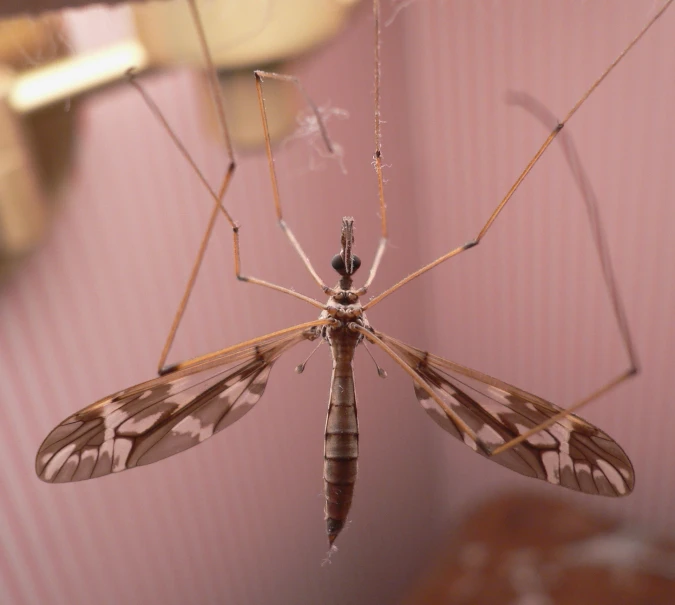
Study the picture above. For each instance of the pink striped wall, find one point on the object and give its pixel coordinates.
(528, 305)
(239, 519)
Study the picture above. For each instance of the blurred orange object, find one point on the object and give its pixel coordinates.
(522, 548)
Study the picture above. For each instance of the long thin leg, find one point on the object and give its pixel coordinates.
(217, 198)
(259, 76)
(528, 168)
(378, 156)
(220, 108)
(590, 199)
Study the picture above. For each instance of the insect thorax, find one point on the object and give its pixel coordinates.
(344, 307)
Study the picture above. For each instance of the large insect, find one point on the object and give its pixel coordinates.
(192, 400)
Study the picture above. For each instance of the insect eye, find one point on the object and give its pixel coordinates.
(338, 264)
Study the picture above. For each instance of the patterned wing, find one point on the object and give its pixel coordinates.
(571, 452)
(164, 416)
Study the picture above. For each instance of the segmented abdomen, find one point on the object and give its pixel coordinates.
(342, 439)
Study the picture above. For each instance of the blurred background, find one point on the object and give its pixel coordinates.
(114, 219)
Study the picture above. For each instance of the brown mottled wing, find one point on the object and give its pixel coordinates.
(161, 417)
(571, 452)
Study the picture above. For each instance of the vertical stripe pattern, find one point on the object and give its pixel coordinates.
(88, 312)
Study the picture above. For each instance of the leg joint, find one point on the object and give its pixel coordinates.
(166, 370)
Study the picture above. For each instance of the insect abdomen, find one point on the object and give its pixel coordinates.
(342, 441)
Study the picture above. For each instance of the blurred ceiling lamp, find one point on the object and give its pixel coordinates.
(37, 135)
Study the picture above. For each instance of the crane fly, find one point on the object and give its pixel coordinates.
(192, 400)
